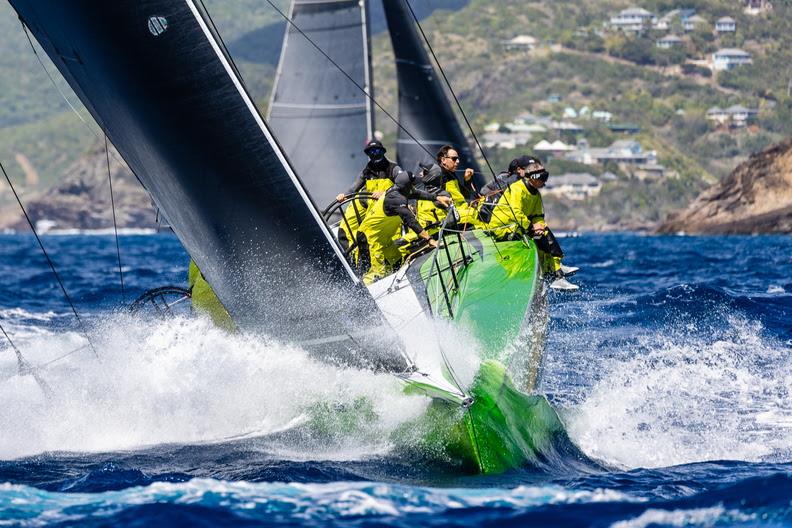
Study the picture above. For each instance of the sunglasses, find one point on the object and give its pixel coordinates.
(453, 158)
(375, 152)
(540, 175)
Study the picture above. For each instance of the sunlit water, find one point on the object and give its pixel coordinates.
(671, 367)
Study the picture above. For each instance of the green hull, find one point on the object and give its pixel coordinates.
(503, 429)
(498, 297)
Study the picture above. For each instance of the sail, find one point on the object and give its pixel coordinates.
(157, 79)
(424, 109)
(322, 120)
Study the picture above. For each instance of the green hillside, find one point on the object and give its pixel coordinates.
(578, 62)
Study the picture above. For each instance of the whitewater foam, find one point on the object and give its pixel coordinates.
(182, 381)
(678, 399)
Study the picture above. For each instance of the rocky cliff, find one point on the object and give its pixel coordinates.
(755, 198)
(82, 199)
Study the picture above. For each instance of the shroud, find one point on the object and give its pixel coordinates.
(321, 118)
(156, 77)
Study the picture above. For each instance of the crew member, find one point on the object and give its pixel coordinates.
(379, 254)
(375, 178)
(493, 190)
(520, 211)
(442, 178)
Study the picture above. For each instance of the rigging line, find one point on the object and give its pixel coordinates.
(458, 103)
(24, 368)
(115, 224)
(49, 261)
(68, 102)
(21, 363)
(353, 81)
(450, 88)
(443, 355)
(52, 80)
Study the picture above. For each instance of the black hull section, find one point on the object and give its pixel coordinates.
(424, 109)
(156, 78)
(321, 118)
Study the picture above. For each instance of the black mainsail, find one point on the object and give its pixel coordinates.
(158, 80)
(424, 109)
(322, 120)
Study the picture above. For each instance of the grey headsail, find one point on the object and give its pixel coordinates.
(424, 109)
(322, 120)
(157, 78)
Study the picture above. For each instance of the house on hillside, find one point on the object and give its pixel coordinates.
(519, 43)
(633, 19)
(694, 22)
(669, 41)
(573, 186)
(756, 7)
(624, 128)
(729, 58)
(725, 25)
(622, 152)
(736, 116)
(556, 148)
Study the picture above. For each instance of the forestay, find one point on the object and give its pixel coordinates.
(156, 77)
(321, 118)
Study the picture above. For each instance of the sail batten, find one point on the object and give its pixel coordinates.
(174, 106)
(320, 116)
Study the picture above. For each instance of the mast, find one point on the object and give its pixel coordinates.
(424, 109)
(156, 77)
(322, 120)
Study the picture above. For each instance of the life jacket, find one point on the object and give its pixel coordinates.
(356, 210)
(519, 207)
(379, 180)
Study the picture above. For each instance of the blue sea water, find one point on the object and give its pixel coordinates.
(672, 368)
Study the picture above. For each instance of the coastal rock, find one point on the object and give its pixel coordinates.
(755, 198)
(82, 199)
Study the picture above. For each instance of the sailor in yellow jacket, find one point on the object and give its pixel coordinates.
(375, 178)
(442, 178)
(379, 254)
(520, 210)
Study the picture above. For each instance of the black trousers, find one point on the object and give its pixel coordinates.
(548, 243)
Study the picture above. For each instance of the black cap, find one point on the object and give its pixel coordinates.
(404, 180)
(522, 161)
(374, 144)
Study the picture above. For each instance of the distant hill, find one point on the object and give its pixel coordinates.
(755, 198)
(81, 200)
(578, 62)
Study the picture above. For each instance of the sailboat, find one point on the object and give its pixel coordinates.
(158, 80)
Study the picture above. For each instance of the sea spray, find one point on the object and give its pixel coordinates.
(676, 399)
(181, 380)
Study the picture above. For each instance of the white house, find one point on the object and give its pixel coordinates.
(729, 58)
(741, 115)
(691, 23)
(725, 25)
(626, 152)
(736, 116)
(555, 148)
(574, 186)
(669, 41)
(633, 19)
(519, 43)
(756, 7)
(717, 114)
